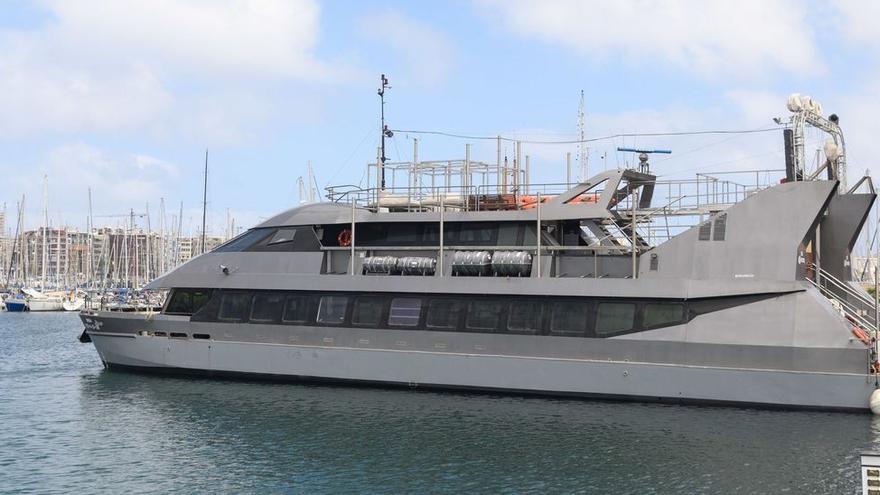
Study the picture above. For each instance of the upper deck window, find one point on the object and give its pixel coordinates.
(244, 241)
(272, 239)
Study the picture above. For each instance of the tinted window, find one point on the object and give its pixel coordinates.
(614, 318)
(296, 309)
(663, 314)
(524, 317)
(479, 234)
(234, 306)
(244, 241)
(507, 234)
(483, 315)
(281, 236)
(331, 309)
(267, 308)
(180, 303)
(568, 318)
(187, 301)
(405, 312)
(368, 311)
(443, 313)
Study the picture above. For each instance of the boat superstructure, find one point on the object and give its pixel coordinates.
(726, 288)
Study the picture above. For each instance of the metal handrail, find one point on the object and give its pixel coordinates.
(840, 284)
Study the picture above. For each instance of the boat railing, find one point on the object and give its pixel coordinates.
(833, 288)
(464, 185)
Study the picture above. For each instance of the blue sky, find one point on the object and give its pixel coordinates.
(125, 96)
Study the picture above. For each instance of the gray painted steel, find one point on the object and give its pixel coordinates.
(793, 349)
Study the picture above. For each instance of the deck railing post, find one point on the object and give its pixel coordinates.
(351, 269)
(538, 236)
(440, 257)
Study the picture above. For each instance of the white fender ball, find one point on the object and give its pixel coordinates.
(874, 401)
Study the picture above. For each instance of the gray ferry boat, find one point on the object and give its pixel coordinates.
(461, 274)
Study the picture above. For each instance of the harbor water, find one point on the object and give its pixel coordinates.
(69, 426)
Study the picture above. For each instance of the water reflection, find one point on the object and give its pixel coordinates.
(256, 435)
(71, 427)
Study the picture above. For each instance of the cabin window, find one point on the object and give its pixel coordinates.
(524, 317)
(267, 308)
(658, 315)
(296, 309)
(281, 236)
(612, 318)
(331, 310)
(568, 318)
(483, 315)
(443, 314)
(508, 234)
(405, 312)
(477, 234)
(244, 241)
(187, 301)
(287, 239)
(368, 311)
(233, 306)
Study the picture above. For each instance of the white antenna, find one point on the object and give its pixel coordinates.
(311, 182)
(302, 190)
(583, 169)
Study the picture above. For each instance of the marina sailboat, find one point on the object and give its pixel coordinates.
(469, 276)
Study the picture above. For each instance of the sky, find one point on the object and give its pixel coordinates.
(123, 97)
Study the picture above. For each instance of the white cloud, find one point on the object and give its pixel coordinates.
(100, 66)
(121, 180)
(427, 53)
(858, 20)
(718, 39)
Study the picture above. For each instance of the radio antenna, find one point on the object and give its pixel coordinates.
(385, 131)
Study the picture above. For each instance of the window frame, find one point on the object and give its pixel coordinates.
(308, 304)
(540, 324)
(346, 315)
(589, 317)
(247, 310)
(280, 316)
(383, 310)
(636, 318)
(458, 323)
(498, 318)
(644, 314)
(419, 321)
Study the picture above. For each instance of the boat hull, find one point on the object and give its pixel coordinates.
(45, 304)
(16, 306)
(421, 364)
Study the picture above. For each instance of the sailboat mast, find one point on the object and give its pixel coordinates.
(15, 241)
(204, 201)
(45, 260)
(91, 244)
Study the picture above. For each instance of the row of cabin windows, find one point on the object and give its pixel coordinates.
(306, 238)
(518, 315)
(428, 234)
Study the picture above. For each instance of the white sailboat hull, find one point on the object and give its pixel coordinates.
(49, 304)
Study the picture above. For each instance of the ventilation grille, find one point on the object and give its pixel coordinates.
(720, 227)
(705, 231)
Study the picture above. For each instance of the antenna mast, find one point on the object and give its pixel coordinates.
(385, 131)
(582, 149)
